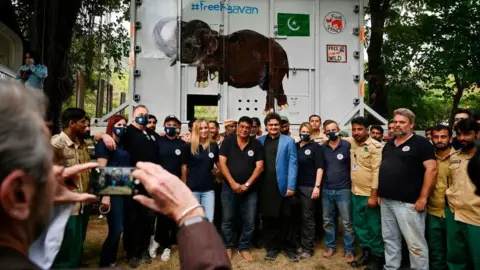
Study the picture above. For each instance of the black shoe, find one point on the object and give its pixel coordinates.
(271, 255)
(134, 262)
(146, 258)
(375, 263)
(364, 260)
(291, 256)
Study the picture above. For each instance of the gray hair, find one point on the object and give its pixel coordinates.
(24, 144)
(405, 112)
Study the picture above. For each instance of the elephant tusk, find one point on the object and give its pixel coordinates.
(169, 45)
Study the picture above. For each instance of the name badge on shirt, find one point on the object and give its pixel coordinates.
(339, 156)
(250, 153)
(210, 155)
(178, 152)
(308, 152)
(406, 148)
(354, 167)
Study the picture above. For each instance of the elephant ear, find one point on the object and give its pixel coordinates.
(210, 40)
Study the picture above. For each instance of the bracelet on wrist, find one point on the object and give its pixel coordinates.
(188, 210)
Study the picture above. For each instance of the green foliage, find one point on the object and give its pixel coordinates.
(431, 54)
(206, 112)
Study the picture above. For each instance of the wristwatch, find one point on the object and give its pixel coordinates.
(193, 220)
(247, 184)
(317, 186)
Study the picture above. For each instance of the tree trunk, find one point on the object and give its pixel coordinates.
(456, 99)
(378, 10)
(56, 35)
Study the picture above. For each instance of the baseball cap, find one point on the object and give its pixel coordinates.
(172, 117)
(284, 119)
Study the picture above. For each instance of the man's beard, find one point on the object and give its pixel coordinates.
(85, 135)
(399, 133)
(443, 147)
(467, 145)
(285, 132)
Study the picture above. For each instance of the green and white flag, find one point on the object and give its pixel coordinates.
(295, 25)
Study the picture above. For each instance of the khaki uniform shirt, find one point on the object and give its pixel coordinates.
(320, 139)
(68, 153)
(366, 159)
(461, 192)
(436, 200)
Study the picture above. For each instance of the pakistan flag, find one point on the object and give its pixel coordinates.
(295, 25)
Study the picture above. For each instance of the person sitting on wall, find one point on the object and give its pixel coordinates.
(32, 73)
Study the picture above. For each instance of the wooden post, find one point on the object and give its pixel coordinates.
(123, 96)
(109, 97)
(80, 91)
(100, 99)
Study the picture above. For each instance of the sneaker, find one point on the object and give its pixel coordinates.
(134, 262)
(291, 256)
(304, 256)
(152, 249)
(299, 251)
(165, 255)
(271, 255)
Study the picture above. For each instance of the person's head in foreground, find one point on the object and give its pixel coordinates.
(28, 180)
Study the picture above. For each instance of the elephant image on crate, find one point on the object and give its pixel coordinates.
(243, 59)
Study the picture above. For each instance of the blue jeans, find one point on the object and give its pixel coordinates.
(231, 202)
(109, 251)
(207, 200)
(341, 201)
(400, 218)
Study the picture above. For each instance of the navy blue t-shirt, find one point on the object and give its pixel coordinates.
(200, 175)
(170, 154)
(116, 158)
(310, 159)
(337, 166)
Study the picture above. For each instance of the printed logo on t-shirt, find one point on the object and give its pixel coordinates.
(250, 153)
(339, 156)
(308, 152)
(406, 148)
(210, 155)
(178, 152)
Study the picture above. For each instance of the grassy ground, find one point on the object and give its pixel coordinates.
(97, 232)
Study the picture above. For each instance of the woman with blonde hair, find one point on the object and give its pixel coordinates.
(198, 160)
(309, 178)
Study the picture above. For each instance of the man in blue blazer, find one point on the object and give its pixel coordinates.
(277, 189)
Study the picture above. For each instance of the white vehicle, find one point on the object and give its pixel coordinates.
(244, 57)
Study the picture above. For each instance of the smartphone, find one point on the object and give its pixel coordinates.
(113, 181)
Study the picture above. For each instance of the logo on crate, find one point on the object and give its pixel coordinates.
(221, 6)
(334, 22)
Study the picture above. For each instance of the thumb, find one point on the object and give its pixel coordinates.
(147, 202)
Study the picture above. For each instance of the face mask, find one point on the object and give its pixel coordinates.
(332, 136)
(170, 131)
(141, 120)
(305, 137)
(119, 131)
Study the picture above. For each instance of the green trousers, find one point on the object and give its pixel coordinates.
(463, 244)
(70, 254)
(437, 242)
(368, 226)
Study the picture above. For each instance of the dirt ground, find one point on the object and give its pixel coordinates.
(97, 232)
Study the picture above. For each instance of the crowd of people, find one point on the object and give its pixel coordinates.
(279, 191)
